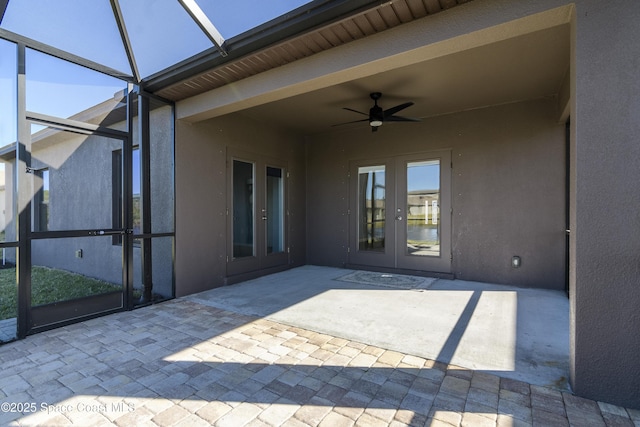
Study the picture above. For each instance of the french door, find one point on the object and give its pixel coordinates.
(256, 213)
(400, 212)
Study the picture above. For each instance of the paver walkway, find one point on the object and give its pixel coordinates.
(181, 363)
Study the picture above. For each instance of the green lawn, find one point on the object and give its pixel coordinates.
(48, 285)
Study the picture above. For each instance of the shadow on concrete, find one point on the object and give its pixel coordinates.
(512, 332)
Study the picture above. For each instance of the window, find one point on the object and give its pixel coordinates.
(41, 201)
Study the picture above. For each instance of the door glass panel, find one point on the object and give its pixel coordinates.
(71, 268)
(275, 211)
(73, 187)
(423, 208)
(371, 208)
(243, 213)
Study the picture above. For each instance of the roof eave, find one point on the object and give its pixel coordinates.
(304, 19)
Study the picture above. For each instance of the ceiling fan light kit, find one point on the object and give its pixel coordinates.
(377, 115)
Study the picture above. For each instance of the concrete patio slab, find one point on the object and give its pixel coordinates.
(512, 332)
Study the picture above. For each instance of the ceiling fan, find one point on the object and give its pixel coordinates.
(377, 115)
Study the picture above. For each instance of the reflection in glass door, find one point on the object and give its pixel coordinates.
(371, 208)
(423, 208)
(372, 240)
(257, 213)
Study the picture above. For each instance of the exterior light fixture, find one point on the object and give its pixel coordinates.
(516, 261)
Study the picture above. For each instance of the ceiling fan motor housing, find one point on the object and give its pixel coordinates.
(376, 115)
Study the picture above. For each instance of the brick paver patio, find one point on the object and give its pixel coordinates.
(181, 363)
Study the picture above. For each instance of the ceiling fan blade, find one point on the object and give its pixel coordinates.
(355, 121)
(401, 119)
(355, 111)
(391, 111)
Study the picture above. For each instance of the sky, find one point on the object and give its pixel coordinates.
(423, 176)
(161, 33)
(420, 176)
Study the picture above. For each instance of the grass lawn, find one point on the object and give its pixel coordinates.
(48, 285)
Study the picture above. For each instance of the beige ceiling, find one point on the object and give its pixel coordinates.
(525, 67)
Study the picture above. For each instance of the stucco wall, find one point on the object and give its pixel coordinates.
(605, 202)
(508, 189)
(201, 198)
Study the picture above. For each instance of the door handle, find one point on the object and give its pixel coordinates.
(264, 217)
(108, 232)
(399, 218)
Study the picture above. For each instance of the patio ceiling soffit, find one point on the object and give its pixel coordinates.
(316, 72)
(286, 35)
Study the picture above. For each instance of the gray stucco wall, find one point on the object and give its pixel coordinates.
(508, 189)
(201, 191)
(605, 202)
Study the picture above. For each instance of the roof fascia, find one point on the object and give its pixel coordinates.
(61, 54)
(306, 18)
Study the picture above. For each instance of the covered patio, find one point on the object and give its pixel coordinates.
(486, 141)
(242, 357)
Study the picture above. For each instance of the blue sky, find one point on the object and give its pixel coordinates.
(423, 177)
(420, 176)
(161, 32)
